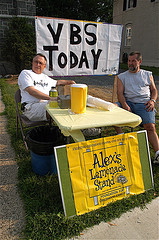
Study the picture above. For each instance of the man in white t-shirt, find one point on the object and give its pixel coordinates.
(35, 87)
(137, 93)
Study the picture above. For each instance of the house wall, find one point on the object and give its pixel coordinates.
(144, 19)
(9, 9)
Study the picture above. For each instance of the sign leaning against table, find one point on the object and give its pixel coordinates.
(75, 47)
(96, 172)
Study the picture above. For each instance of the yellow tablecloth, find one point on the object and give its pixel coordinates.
(71, 124)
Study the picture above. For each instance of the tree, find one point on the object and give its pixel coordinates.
(20, 43)
(89, 10)
(19, 47)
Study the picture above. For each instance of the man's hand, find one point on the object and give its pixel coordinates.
(126, 107)
(150, 105)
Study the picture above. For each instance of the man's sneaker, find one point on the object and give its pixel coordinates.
(156, 159)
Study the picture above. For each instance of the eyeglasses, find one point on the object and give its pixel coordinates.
(38, 62)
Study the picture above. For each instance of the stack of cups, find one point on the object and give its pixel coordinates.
(78, 98)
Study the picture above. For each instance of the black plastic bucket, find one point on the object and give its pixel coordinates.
(41, 142)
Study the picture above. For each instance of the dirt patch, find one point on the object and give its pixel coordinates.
(12, 79)
(103, 92)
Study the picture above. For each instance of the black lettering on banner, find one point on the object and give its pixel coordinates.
(75, 39)
(103, 173)
(83, 59)
(73, 60)
(106, 161)
(50, 49)
(106, 172)
(96, 161)
(94, 38)
(63, 63)
(75, 30)
(105, 183)
(96, 57)
(56, 35)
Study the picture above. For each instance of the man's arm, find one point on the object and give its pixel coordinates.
(64, 82)
(150, 105)
(40, 95)
(153, 89)
(120, 95)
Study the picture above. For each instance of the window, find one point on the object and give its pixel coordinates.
(128, 35)
(129, 4)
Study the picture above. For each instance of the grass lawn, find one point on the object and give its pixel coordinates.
(45, 219)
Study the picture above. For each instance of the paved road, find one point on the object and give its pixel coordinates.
(136, 224)
(100, 80)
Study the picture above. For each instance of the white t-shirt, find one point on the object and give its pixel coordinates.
(41, 82)
(136, 85)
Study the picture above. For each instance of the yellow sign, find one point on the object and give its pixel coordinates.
(104, 170)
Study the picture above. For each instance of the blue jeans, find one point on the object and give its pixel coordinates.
(140, 109)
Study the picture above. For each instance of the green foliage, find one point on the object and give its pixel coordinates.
(19, 46)
(45, 219)
(90, 10)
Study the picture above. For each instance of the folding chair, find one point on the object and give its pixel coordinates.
(22, 120)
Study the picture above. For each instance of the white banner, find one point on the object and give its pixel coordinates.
(78, 47)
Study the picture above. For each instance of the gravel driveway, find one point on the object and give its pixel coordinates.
(11, 208)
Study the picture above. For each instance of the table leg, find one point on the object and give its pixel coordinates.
(77, 135)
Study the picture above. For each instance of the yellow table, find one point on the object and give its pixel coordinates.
(71, 124)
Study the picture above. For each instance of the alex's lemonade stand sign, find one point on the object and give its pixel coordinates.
(96, 172)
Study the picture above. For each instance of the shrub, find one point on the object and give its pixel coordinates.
(19, 47)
